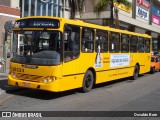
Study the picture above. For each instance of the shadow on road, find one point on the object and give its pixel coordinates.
(43, 95)
(3, 84)
(5, 87)
(117, 81)
(46, 95)
(37, 94)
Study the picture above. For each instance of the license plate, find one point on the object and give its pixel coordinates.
(25, 84)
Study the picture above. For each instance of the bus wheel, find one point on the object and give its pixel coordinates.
(136, 72)
(88, 81)
(152, 70)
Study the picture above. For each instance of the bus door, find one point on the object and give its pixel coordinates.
(71, 51)
(71, 43)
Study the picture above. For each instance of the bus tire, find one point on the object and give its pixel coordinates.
(135, 72)
(88, 81)
(152, 70)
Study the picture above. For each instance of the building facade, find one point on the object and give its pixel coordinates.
(41, 8)
(59, 8)
(142, 17)
(9, 11)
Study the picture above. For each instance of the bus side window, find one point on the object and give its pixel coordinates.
(114, 45)
(147, 45)
(102, 40)
(71, 42)
(141, 44)
(133, 44)
(87, 40)
(53, 43)
(125, 43)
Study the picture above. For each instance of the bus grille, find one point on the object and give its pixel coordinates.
(27, 77)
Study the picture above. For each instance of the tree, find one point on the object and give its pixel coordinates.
(99, 6)
(76, 6)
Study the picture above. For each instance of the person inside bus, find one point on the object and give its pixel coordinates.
(133, 48)
(146, 49)
(124, 49)
(140, 48)
(112, 49)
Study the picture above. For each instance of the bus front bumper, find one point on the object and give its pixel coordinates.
(54, 86)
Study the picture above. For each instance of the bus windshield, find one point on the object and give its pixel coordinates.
(37, 47)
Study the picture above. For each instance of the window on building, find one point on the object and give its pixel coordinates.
(39, 8)
(32, 8)
(133, 44)
(114, 45)
(125, 43)
(71, 42)
(102, 40)
(50, 10)
(26, 8)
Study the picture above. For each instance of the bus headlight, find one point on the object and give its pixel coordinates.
(48, 79)
(14, 75)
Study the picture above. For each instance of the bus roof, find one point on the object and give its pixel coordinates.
(86, 24)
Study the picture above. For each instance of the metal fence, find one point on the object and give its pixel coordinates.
(3, 59)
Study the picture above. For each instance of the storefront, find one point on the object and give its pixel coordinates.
(156, 22)
(143, 17)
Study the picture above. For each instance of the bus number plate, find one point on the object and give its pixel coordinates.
(26, 84)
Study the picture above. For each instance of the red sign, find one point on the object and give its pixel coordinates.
(142, 3)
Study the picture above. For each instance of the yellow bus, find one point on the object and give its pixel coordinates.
(58, 54)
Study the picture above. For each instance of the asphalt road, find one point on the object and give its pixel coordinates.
(142, 94)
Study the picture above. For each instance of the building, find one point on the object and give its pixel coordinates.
(41, 8)
(9, 11)
(143, 17)
(60, 8)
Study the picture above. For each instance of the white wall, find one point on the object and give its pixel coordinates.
(14, 3)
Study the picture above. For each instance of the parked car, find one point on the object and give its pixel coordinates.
(155, 64)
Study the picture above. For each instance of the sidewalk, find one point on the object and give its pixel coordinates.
(4, 87)
(3, 76)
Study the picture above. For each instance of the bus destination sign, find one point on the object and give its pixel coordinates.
(42, 24)
(37, 23)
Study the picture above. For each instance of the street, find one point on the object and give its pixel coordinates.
(142, 94)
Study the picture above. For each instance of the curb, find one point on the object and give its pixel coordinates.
(2, 92)
(3, 76)
(4, 87)
(9, 89)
